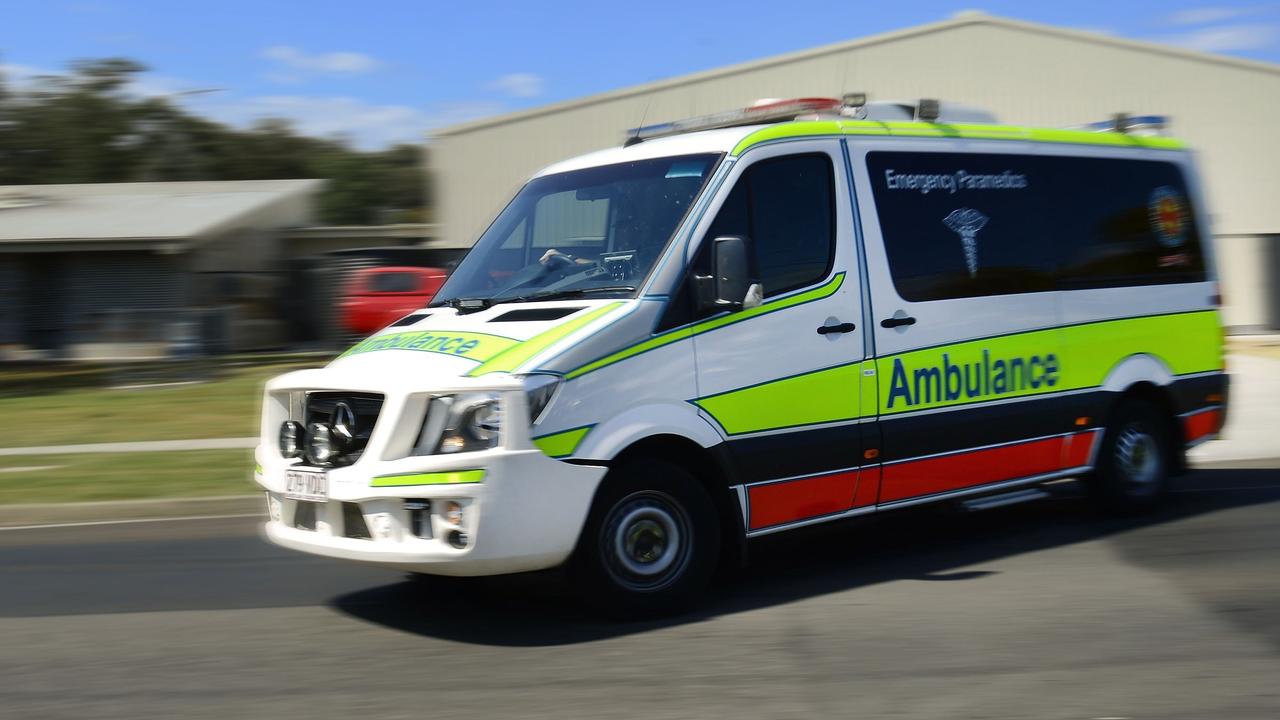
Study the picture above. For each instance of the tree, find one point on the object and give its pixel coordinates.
(86, 127)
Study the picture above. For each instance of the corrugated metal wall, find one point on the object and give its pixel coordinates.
(10, 301)
(105, 292)
(1024, 74)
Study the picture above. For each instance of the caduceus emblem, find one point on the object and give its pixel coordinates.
(967, 222)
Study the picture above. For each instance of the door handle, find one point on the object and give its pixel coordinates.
(841, 328)
(894, 322)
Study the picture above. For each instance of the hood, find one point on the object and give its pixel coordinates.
(442, 342)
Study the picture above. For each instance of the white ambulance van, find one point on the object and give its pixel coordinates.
(749, 323)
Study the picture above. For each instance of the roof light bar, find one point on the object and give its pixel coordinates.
(1122, 123)
(762, 111)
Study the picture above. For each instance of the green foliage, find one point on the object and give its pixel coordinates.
(85, 127)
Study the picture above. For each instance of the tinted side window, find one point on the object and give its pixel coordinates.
(962, 225)
(786, 206)
(1124, 223)
(393, 282)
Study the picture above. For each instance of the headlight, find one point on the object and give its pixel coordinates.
(320, 445)
(460, 423)
(538, 391)
(291, 433)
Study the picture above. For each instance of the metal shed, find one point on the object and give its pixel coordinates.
(1026, 73)
(100, 263)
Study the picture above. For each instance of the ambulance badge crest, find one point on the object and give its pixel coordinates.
(1168, 216)
(966, 222)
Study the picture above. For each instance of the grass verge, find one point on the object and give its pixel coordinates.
(125, 476)
(45, 412)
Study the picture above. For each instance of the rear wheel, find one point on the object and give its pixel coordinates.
(1134, 460)
(651, 542)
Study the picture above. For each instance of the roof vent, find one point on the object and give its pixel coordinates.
(927, 110)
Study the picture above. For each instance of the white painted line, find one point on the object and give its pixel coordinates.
(126, 522)
(30, 468)
(147, 386)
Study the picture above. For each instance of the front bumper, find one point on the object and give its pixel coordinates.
(525, 514)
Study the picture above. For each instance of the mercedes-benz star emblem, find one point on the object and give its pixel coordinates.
(343, 422)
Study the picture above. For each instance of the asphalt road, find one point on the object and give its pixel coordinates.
(1044, 610)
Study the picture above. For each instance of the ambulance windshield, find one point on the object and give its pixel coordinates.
(595, 232)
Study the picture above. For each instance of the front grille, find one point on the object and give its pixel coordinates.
(366, 406)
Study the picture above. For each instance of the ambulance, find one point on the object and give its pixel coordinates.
(742, 324)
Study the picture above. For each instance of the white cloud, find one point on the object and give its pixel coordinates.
(1226, 38)
(519, 85)
(344, 62)
(1205, 15)
(21, 75)
(367, 125)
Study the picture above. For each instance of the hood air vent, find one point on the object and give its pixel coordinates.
(535, 314)
(410, 319)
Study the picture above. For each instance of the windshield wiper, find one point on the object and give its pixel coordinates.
(571, 293)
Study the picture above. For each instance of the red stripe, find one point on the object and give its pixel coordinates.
(1078, 449)
(792, 500)
(977, 467)
(868, 487)
(1204, 422)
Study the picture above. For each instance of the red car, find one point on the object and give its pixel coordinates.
(377, 297)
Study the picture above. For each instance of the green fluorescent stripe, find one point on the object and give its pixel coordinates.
(1187, 343)
(469, 345)
(562, 444)
(513, 357)
(818, 128)
(714, 323)
(827, 395)
(257, 469)
(1086, 354)
(456, 477)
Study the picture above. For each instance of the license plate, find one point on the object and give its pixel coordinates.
(310, 485)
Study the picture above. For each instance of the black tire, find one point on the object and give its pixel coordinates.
(650, 544)
(1134, 461)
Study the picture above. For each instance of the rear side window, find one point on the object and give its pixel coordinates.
(393, 282)
(786, 207)
(1136, 228)
(964, 225)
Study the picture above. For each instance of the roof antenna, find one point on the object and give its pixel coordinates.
(634, 139)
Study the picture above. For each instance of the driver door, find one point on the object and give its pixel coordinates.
(781, 381)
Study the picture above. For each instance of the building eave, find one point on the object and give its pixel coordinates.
(961, 20)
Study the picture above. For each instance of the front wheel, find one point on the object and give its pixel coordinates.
(1133, 463)
(651, 543)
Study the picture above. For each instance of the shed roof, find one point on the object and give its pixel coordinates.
(135, 211)
(961, 19)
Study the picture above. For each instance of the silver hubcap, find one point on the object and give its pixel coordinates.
(1138, 458)
(646, 540)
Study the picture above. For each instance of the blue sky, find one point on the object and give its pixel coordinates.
(381, 71)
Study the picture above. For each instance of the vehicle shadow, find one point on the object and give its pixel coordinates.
(925, 544)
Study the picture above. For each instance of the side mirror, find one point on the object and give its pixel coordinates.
(727, 286)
